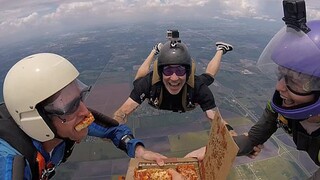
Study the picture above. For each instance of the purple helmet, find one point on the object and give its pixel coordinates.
(299, 54)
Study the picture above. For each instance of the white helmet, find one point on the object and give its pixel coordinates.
(30, 81)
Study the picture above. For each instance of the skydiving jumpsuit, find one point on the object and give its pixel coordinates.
(14, 164)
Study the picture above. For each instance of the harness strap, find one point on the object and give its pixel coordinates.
(155, 75)
(155, 92)
(9, 131)
(184, 99)
(18, 167)
(190, 81)
(41, 166)
(187, 96)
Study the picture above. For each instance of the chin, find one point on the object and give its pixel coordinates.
(81, 135)
(174, 92)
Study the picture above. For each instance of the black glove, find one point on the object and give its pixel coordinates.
(103, 120)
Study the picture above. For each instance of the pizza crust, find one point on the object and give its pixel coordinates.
(85, 122)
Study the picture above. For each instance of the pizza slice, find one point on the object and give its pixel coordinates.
(188, 171)
(85, 122)
(151, 174)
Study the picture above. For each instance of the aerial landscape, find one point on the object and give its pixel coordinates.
(108, 58)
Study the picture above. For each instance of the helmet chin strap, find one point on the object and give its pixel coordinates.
(48, 121)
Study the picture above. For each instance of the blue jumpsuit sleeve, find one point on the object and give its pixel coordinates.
(115, 134)
(7, 155)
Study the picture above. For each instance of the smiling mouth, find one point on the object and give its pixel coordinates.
(174, 84)
(286, 101)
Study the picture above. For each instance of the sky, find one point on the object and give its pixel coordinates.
(20, 19)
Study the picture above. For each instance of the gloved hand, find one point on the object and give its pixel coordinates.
(103, 120)
(224, 47)
(157, 48)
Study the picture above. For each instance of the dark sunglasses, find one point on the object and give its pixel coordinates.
(178, 70)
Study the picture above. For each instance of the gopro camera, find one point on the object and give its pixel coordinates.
(173, 36)
(295, 15)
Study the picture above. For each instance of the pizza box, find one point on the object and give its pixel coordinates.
(216, 165)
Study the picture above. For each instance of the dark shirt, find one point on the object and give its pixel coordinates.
(202, 95)
(269, 123)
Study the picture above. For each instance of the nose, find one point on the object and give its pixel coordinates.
(174, 77)
(281, 85)
(83, 110)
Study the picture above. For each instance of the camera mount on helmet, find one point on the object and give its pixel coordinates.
(173, 36)
(295, 15)
(173, 52)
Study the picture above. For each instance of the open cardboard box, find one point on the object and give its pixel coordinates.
(220, 154)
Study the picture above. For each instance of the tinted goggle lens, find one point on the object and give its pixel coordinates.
(70, 107)
(178, 70)
(298, 86)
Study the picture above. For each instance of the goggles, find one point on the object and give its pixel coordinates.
(298, 83)
(67, 103)
(178, 70)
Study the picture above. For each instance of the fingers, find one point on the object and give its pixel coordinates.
(175, 175)
(199, 154)
(256, 150)
(260, 146)
(233, 133)
(252, 156)
(195, 155)
(159, 158)
(160, 162)
(190, 155)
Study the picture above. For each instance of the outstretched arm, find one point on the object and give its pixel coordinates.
(145, 66)
(259, 133)
(214, 64)
(121, 115)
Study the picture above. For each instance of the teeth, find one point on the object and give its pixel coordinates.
(174, 84)
(283, 97)
(288, 101)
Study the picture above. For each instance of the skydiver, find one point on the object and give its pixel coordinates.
(43, 106)
(173, 85)
(294, 55)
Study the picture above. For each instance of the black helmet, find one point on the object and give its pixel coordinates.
(174, 53)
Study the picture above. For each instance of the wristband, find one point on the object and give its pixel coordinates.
(124, 141)
(229, 127)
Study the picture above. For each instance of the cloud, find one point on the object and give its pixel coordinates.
(34, 17)
(313, 13)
